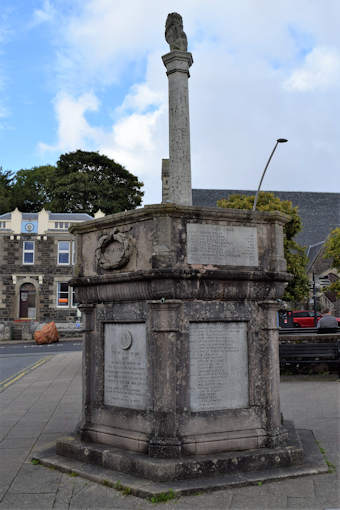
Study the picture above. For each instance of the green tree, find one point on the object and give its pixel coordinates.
(298, 289)
(88, 181)
(332, 251)
(33, 188)
(6, 193)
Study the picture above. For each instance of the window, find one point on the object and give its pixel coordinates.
(2, 224)
(28, 252)
(65, 296)
(63, 253)
(62, 296)
(61, 225)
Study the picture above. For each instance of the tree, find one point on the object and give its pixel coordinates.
(298, 289)
(33, 188)
(88, 181)
(6, 194)
(332, 251)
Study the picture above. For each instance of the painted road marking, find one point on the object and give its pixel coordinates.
(13, 378)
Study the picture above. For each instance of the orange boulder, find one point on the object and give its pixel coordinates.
(48, 334)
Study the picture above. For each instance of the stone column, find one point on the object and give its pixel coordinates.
(177, 64)
(166, 325)
(276, 435)
(88, 311)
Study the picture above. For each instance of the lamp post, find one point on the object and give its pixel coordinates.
(279, 140)
(314, 301)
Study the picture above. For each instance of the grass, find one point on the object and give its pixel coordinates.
(163, 497)
(331, 466)
(35, 462)
(126, 491)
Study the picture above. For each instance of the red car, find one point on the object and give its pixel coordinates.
(305, 318)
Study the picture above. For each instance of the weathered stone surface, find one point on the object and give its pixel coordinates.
(177, 64)
(47, 335)
(222, 245)
(125, 369)
(218, 366)
(174, 34)
(187, 467)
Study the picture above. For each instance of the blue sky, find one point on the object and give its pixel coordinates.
(88, 74)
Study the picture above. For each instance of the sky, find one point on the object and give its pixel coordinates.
(88, 74)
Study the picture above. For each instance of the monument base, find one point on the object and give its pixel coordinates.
(301, 457)
(184, 467)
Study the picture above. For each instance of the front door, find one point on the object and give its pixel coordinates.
(27, 308)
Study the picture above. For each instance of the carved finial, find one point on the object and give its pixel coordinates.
(174, 34)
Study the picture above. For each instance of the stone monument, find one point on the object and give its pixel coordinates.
(177, 63)
(180, 363)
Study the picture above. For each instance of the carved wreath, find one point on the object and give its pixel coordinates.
(114, 250)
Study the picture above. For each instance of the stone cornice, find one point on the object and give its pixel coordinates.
(188, 212)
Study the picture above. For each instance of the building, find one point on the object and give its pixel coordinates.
(37, 254)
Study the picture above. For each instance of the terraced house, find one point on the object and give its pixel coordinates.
(37, 255)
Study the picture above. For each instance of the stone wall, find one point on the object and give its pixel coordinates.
(43, 274)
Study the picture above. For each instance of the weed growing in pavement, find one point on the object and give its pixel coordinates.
(331, 466)
(126, 491)
(163, 497)
(35, 462)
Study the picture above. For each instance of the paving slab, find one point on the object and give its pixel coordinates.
(54, 391)
(35, 480)
(27, 501)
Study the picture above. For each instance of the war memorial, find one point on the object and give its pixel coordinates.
(180, 364)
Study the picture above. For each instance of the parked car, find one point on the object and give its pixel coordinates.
(305, 318)
(299, 318)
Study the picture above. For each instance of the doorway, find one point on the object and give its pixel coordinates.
(27, 304)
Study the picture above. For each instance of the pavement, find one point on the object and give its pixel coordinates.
(45, 404)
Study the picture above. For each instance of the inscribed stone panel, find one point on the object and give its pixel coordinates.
(218, 366)
(222, 245)
(125, 366)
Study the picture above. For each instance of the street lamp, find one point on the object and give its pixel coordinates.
(279, 140)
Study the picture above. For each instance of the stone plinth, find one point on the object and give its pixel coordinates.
(181, 344)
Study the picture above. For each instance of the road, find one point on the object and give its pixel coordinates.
(19, 359)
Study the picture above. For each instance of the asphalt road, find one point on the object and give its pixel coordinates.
(19, 359)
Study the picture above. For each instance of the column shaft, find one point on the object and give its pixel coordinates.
(179, 181)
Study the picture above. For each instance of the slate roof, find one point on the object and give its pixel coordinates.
(70, 216)
(52, 216)
(319, 212)
(29, 216)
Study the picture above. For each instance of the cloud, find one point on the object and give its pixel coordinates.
(133, 139)
(74, 130)
(46, 13)
(320, 71)
(248, 58)
(141, 97)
